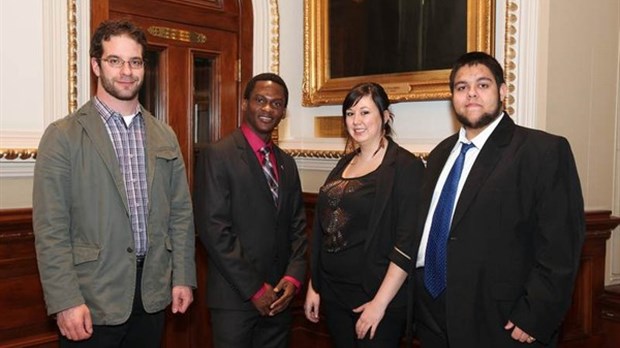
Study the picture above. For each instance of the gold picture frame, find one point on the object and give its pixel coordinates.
(320, 89)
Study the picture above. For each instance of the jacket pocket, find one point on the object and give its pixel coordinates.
(82, 254)
(505, 295)
(166, 154)
(168, 243)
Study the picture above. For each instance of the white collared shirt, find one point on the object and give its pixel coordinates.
(470, 158)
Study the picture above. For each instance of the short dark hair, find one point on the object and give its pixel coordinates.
(475, 58)
(115, 27)
(379, 97)
(265, 77)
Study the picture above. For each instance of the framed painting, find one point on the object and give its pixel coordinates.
(408, 46)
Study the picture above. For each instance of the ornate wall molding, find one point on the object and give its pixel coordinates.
(510, 53)
(66, 67)
(328, 154)
(267, 40)
(274, 36)
(72, 55)
(22, 154)
(266, 36)
(521, 62)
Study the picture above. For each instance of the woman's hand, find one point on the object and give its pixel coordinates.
(370, 317)
(311, 306)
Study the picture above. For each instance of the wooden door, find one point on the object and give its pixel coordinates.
(198, 59)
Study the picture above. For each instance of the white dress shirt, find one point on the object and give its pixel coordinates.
(470, 158)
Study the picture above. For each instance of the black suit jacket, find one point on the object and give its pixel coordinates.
(515, 239)
(248, 239)
(392, 221)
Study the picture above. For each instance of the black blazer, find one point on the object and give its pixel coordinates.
(249, 240)
(515, 239)
(392, 221)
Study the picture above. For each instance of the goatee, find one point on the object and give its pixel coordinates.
(482, 122)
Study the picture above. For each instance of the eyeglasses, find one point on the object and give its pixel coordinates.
(116, 62)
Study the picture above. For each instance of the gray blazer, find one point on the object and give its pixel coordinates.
(82, 228)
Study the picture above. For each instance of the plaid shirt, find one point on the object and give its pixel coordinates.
(128, 142)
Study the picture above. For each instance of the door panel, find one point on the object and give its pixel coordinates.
(176, 77)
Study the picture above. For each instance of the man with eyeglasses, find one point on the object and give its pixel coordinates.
(112, 213)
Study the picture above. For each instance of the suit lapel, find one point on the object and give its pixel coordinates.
(486, 162)
(283, 175)
(385, 183)
(248, 157)
(96, 131)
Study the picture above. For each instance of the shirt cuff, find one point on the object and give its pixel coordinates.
(260, 292)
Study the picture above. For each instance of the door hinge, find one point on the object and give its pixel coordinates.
(238, 72)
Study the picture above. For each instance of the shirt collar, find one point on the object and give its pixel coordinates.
(106, 112)
(256, 143)
(480, 139)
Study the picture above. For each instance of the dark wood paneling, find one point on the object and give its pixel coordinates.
(21, 297)
(610, 302)
(582, 326)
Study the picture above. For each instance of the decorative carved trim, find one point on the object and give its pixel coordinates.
(274, 49)
(321, 154)
(177, 34)
(330, 154)
(510, 54)
(23, 154)
(73, 53)
(274, 36)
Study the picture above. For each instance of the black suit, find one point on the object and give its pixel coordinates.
(515, 240)
(249, 240)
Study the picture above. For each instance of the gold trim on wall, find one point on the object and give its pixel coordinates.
(274, 31)
(73, 53)
(510, 54)
(329, 154)
(177, 34)
(23, 154)
(320, 89)
(274, 49)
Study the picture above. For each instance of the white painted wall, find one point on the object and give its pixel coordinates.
(583, 97)
(21, 71)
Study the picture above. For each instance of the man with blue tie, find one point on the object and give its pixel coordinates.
(501, 224)
(252, 223)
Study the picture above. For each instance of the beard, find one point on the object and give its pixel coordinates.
(120, 94)
(484, 119)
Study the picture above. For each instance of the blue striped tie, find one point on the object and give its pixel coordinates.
(435, 276)
(270, 175)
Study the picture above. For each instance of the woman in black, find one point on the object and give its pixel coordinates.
(363, 229)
